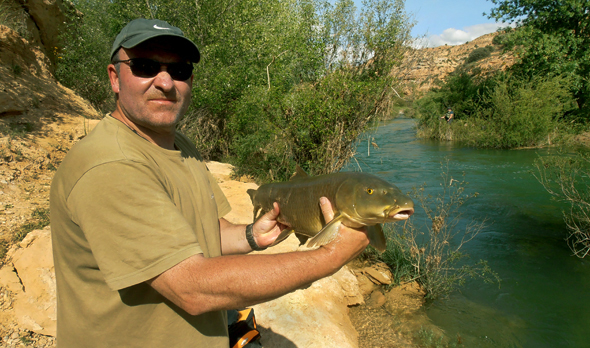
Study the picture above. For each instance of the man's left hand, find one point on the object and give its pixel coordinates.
(267, 228)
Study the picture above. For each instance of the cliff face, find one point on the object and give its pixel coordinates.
(422, 67)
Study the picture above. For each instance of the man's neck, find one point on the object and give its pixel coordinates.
(163, 140)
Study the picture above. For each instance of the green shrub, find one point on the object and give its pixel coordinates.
(13, 16)
(39, 219)
(479, 54)
(274, 86)
(500, 111)
(427, 253)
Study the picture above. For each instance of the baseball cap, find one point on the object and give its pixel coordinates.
(141, 29)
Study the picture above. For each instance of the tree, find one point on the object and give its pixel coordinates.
(280, 81)
(551, 38)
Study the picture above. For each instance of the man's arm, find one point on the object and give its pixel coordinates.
(199, 285)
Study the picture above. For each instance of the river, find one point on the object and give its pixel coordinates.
(543, 298)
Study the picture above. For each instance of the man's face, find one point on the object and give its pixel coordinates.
(157, 103)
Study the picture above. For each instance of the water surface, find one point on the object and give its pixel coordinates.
(543, 298)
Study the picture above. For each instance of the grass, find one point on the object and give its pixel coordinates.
(39, 219)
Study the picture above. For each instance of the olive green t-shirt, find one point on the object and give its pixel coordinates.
(123, 211)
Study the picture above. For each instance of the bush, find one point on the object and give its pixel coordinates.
(13, 16)
(566, 177)
(479, 54)
(431, 254)
(501, 111)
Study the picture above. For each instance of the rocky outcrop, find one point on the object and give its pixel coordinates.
(421, 68)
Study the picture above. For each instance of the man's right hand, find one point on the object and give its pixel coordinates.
(350, 242)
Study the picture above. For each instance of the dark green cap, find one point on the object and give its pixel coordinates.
(141, 29)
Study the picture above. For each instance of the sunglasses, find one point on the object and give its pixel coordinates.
(147, 68)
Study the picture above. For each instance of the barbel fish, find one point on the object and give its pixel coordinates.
(358, 199)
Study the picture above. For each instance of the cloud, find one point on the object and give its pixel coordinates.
(454, 36)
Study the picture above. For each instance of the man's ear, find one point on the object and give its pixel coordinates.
(113, 77)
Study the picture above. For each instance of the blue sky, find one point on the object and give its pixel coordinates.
(451, 22)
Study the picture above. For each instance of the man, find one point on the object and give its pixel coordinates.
(449, 115)
(143, 257)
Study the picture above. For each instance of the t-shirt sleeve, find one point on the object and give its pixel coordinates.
(134, 229)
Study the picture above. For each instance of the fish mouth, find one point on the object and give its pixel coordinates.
(400, 214)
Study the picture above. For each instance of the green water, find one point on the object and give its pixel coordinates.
(544, 296)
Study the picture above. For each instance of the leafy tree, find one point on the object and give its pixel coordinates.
(552, 38)
(279, 83)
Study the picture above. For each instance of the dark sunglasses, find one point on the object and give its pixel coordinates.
(144, 67)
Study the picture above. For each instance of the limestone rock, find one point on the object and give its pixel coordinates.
(47, 21)
(379, 273)
(34, 306)
(313, 317)
(376, 300)
(366, 286)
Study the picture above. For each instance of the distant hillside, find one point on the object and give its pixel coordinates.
(422, 67)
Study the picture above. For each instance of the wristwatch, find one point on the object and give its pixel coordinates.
(251, 240)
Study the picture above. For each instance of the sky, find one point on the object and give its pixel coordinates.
(451, 22)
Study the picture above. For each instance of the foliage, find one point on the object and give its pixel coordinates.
(433, 252)
(552, 39)
(501, 111)
(279, 83)
(479, 54)
(566, 177)
(13, 16)
(84, 54)
(39, 219)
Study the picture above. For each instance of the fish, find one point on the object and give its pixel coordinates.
(358, 199)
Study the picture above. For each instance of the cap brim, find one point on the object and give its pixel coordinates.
(190, 49)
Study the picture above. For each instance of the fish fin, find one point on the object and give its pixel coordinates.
(299, 173)
(286, 233)
(257, 207)
(302, 238)
(251, 192)
(327, 234)
(377, 237)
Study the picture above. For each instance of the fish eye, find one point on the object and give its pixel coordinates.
(370, 191)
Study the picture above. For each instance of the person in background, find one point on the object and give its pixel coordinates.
(449, 115)
(143, 256)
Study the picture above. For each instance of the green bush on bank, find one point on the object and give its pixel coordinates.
(479, 54)
(499, 111)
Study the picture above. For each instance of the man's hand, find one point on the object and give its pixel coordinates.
(350, 242)
(267, 228)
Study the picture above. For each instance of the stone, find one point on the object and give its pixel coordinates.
(376, 300)
(380, 274)
(366, 286)
(313, 317)
(35, 305)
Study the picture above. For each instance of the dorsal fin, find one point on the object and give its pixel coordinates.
(299, 173)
